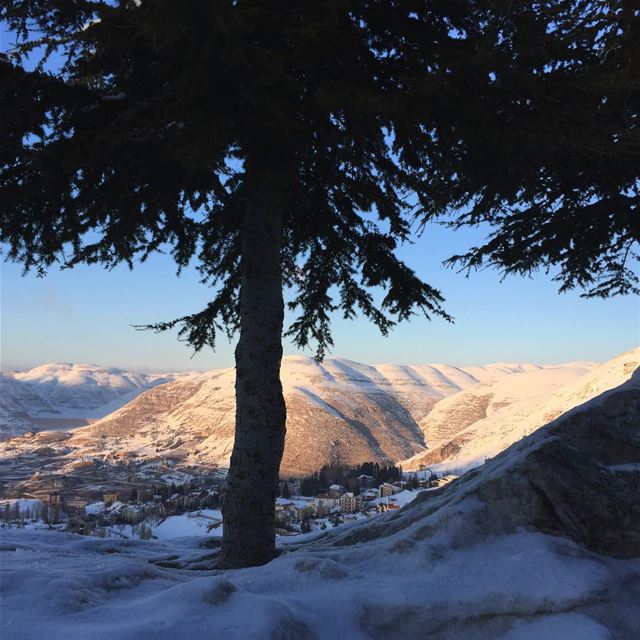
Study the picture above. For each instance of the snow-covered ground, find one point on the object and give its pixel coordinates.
(522, 586)
(197, 523)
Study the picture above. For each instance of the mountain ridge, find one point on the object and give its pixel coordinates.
(339, 411)
(487, 435)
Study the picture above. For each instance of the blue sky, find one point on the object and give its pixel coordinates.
(85, 315)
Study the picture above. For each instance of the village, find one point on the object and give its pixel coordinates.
(140, 509)
(359, 498)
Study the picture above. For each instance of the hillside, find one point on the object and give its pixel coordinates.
(337, 411)
(64, 395)
(540, 542)
(468, 427)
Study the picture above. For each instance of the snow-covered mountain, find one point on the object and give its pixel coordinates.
(478, 423)
(337, 411)
(60, 395)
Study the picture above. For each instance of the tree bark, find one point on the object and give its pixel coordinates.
(252, 483)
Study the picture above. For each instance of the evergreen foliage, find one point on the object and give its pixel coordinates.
(331, 131)
(344, 475)
(524, 115)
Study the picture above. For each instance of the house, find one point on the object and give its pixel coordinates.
(294, 509)
(336, 490)
(303, 513)
(386, 489)
(365, 481)
(77, 503)
(369, 494)
(350, 503)
(388, 506)
(55, 498)
(439, 482)
(283, 513)
(109, 498)
(326, 501)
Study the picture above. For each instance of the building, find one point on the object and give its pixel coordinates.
(439, 482)
(303, 513)
(325, 502)
(55, 498)
(336, 490)
(386, 489)
(369, 494)
(349, 503)
(365, 481)
(109, 498)
(77, 503)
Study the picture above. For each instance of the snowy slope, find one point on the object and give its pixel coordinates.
(470, 426)
(337, 411)
(59, 395)
(200, 523)
(484, 558)
(456, 412)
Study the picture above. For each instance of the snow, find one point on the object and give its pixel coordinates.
(629, 467)
(94, 508)
(516, 587)
(190, 524)
(338, 408)
(299, 502)
(58, 395)
(561, 627)
(439, 380)
(401, 498)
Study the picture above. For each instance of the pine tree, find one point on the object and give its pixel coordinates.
(296, 144)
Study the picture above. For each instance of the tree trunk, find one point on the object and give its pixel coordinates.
(252, 484)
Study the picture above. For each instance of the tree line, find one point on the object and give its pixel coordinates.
(346, 476)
